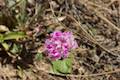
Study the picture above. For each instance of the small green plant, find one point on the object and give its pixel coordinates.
(11, 36)
(62, 66)
(58, 47)
(14, 21)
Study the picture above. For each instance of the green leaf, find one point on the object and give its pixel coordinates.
(10, 3)
(1, 38)
(15, 48)
(39, 56)
(6, 46)
(14, 35)
(22, 16)
(62, 66)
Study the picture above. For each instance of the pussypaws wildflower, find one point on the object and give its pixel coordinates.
(59, 44)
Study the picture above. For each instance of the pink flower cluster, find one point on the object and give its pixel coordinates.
(59, 44)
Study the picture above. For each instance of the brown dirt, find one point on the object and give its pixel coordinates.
(98, 36)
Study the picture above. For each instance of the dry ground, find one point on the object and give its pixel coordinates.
(96, 26)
